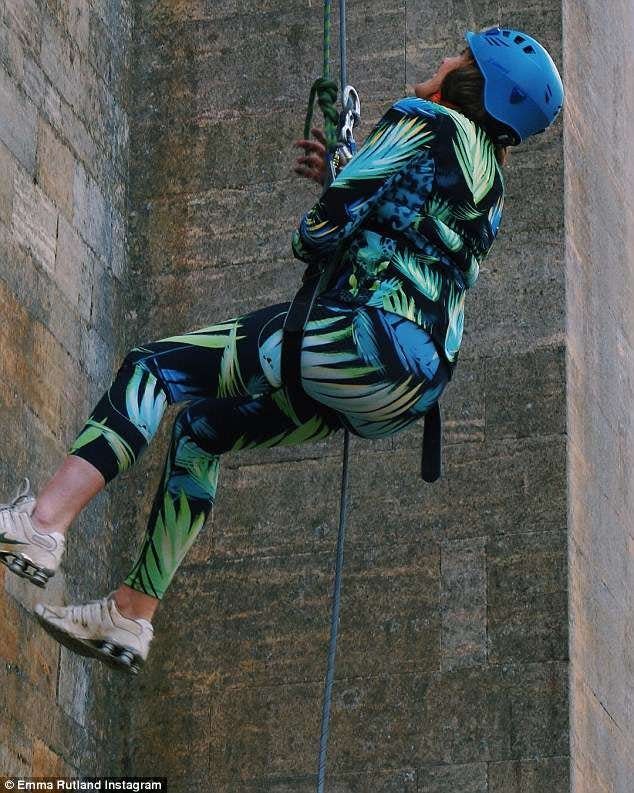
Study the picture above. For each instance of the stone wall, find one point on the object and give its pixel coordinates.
(452, 667)
(63, 263)
(599, 63)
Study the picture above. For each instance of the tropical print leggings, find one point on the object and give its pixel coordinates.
(374, 371)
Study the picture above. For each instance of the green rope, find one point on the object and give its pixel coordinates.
(326, 91)
(326, 69)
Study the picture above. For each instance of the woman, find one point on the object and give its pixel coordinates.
(410, 218)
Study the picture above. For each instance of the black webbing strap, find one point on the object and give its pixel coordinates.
(292, 335)
(432, 444)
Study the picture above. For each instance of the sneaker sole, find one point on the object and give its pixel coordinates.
(25, 568)
(101, 649)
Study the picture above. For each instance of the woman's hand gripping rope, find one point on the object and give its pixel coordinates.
(312, 165)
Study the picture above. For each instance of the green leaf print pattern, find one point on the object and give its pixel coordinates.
(202, 467)
(173, 535)
(96, 429)
(230, 382)
(423, 277)
(385, 151)
(471, 275)
(475, 155)
(455, 307)
(144, 411)
(201, 338)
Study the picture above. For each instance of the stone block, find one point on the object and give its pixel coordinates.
(55, 168)
(39, 367)
(24, 17)
(12, 52)
(39, 294)
(46, 763)
(466, 778)
(279, 631)
(28, 705)
(11, 624)
(34, 81)
(15, 749)
(17, 122)
(530, 775)
(527, 597)
(98, 363)
(243, 227)
(73, 687)
(75, 268)
(92, 215)
(61, 62)
(7, 171)
(263, 284)
(526, 394)
(74, 16)
(389, 781)
(34, 220)
(463, 603)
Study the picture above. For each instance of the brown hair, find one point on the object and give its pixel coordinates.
(464, 87)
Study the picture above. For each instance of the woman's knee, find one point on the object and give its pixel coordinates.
(139, 362)
(136, 356)
(200, 426)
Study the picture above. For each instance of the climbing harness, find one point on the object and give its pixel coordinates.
(340, 148)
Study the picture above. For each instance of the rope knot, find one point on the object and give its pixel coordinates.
(326, 91)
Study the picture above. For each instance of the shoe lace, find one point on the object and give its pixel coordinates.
(92, 611)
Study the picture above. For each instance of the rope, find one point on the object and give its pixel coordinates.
(325, 88)
(326, 91)
(334, 620)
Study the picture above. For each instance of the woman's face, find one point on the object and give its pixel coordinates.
(430, 86)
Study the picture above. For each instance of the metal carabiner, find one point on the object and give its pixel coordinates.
(346, 147)
(349, 117)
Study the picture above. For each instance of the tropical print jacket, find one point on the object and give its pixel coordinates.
(410, 218)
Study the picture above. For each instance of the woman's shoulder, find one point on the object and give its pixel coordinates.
(414, 106)
(437, 116)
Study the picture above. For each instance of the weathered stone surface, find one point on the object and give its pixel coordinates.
(470, 778)
(55, 168)
(530, 775)
(92, 213)
(34, 220)
(600, 366)
(388, 620)
(524, 394)
(61, 714)
(7, 170)
(527, 597)
(17, 122)
(452, 672)
(463, 603)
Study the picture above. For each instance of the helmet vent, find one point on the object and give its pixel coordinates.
(529, 48)
(548, 93)
(517, 96)
(495, 42)
(519, 39)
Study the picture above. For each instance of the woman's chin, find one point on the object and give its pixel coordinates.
(423, 90)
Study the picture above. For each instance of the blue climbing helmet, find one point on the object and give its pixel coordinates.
(522, 87)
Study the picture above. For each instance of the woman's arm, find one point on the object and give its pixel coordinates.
(404, 132)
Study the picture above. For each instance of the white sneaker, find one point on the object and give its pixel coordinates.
(29, 553)
(98, 629)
